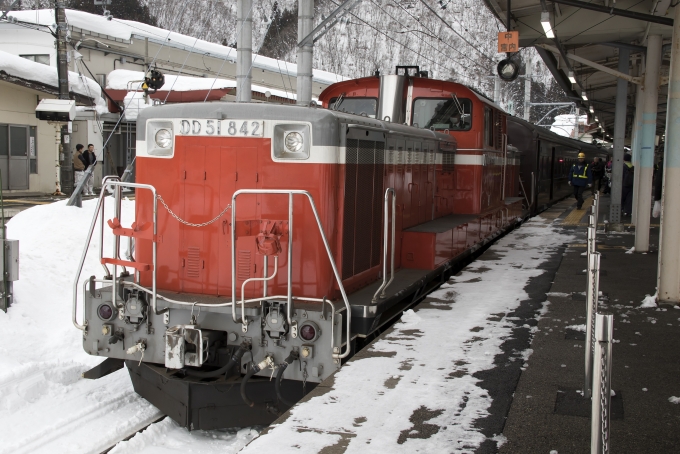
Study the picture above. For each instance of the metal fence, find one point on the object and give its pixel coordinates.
(598, 351)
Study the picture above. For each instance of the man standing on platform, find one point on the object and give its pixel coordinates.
(580, 177)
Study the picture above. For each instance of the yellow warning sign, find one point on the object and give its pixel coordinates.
(508, 41)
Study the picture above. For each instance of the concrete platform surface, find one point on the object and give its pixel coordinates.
(442, 379)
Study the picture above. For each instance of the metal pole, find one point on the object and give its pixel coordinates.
(635, 147)
(669, 242)
(645, 169)
(619, 136)
(244, 50)
(62, 79)
(304, 55)
(601, 402)
(527, 90)
(591, 309)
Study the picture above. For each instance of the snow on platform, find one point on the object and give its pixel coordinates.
(413, 389)
(45, 405)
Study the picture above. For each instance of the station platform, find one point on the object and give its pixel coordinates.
(492, 361)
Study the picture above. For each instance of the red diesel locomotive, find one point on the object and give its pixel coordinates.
(275, 235)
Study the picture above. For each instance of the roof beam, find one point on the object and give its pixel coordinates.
(616, 12)
(599, 67)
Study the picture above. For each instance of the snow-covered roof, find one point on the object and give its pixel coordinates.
(37, 72)
(123, 79)
(126, 30)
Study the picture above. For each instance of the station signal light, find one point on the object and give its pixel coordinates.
(508, 70)
(572, 79)
(545, 22)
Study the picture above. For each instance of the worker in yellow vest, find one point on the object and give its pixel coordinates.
(580, 177)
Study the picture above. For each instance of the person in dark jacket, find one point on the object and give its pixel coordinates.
(580, 176)
(627, 186)
(597, 168)
(78, 164)
(89, 159)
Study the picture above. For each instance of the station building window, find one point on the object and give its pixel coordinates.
(38, 58)
(440, 114)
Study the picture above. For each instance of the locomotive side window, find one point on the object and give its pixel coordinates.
(454, 114)
(488, 127)
(358, 106)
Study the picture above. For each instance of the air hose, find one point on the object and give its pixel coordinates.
(254, 368)
(294, 355)
(235, 359)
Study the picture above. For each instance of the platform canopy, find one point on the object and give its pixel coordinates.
(595, 31)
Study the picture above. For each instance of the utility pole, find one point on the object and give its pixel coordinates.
(64, 174)
(669, 242)
(305, 52)
(244, 50)
(527, 90)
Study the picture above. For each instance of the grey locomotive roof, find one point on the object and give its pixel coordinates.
(327, 121)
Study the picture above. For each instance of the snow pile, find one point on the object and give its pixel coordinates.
(167, 437)
(37, 72)
(631, 250)
(649, 301)
(53, 409)
(581, 328)
(369, 410)
(674, 400)
(134, 103)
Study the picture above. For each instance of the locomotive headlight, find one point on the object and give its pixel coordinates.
(309, 331)
(164, 138)
(294, 142)
(105, 312)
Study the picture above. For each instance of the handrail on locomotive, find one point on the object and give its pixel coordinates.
(115, 183)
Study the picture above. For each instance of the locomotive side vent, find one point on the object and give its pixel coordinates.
(365, 162)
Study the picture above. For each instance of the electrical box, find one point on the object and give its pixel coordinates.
(56, 110)
(11, 265)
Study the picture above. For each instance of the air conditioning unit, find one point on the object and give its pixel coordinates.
(56, 110)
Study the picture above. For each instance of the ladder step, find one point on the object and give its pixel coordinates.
(136, 265)
(145, 232)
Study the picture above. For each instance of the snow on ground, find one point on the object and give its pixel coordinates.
(50, 407)
(418, 393)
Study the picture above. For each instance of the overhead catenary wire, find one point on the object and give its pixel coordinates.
(432, 36)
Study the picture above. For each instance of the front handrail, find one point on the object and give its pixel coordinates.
(112, 182)
(289, 296)
(385, 284)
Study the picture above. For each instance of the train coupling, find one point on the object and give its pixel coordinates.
(186, 345)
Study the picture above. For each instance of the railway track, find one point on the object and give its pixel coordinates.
(132, 434)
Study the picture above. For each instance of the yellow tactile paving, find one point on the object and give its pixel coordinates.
(574, 218)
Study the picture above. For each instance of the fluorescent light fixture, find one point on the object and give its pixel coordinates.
(545, 22)
(597, 120)
(592, 110)
(572, 79)
(583, 95)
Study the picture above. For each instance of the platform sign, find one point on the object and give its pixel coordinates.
(508, 41)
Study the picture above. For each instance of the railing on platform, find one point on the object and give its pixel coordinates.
(598, 351)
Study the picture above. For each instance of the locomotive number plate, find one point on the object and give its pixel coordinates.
(222, 128)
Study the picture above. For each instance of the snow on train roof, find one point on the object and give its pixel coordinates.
(126, 30)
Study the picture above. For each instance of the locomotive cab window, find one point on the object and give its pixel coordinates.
(454, 114)
(357, 106)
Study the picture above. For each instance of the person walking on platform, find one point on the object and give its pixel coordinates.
(598, 174)
(78, 165)
(627, 186)
(580, 176)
